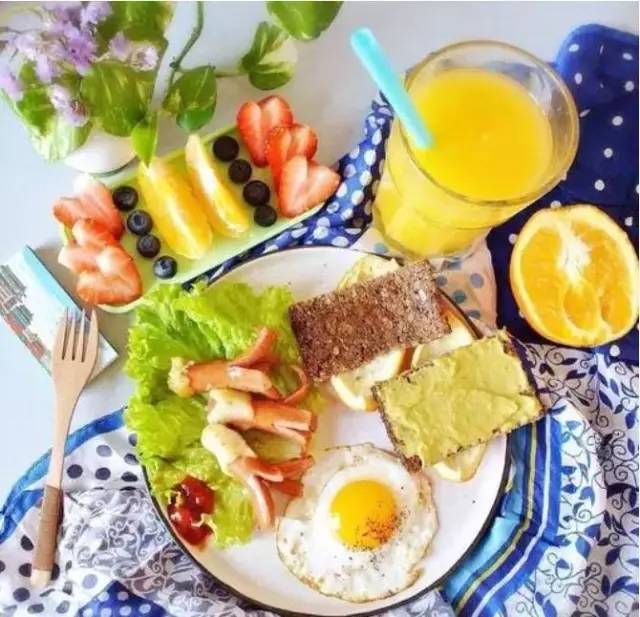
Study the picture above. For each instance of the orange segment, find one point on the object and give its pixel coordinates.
(574, 274)
(225, 214)
(176, 213)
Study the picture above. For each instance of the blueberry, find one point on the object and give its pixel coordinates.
(165, 267)
(125, 198)
(148, 246)
(256, 193)
(139, 223)
(265, 216)
(226, 148)
(239, 171)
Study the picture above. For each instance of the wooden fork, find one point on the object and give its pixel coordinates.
(73, 358)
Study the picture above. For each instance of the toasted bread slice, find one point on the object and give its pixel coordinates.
(341, 330)
(456, 401)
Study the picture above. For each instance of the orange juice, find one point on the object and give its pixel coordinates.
(493, 139)
(494, 151)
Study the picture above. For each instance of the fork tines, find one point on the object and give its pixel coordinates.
(76, 340)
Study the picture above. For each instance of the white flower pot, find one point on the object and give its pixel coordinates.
(101, 153)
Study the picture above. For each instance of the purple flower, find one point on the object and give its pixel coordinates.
(60, 12)
(56, 50)
(76, 115)
(28, 44)
(120, 47)
(81, 49)
(70, 109)
(46, 69)
(144, 57)
(61, 17)
(59, 96)
(10, 84)
(8, 37)
(94, 13)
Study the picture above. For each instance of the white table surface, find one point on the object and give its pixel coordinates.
(329, 91)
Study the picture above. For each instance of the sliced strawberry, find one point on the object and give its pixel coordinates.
(78, 258)
(256, 120)
(117, 280)
(90, 238)
(92, 234)
(97, 202)
(68, 210)
(284, 143)
(93, 201)
(303, 185)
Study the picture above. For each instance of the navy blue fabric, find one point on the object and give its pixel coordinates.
(600, 67)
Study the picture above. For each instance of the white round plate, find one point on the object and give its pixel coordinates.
(254, 571)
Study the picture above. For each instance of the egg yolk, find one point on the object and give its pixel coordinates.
(365, 512)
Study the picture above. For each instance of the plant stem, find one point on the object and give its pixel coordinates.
(221, 73)
(191, 41)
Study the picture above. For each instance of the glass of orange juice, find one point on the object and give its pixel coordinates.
(505, 131)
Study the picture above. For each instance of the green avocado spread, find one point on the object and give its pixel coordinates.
(459, 400)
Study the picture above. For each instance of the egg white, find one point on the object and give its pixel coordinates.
(309, 547)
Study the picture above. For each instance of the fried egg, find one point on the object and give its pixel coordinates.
(362, 526)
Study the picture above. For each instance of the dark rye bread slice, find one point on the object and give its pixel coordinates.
(413, 462)
(344, 329)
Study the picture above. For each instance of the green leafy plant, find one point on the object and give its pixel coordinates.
(95, 64)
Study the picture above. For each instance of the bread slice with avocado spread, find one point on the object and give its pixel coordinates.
(456, 401)
(341, 330)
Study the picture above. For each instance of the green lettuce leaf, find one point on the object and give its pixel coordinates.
(206, 323)
(166, 427)
(232, 518)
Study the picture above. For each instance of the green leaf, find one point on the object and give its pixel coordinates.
(270, 63)
(272, 76)
(117, 96)
(60, 139)
(34, 107)
(139, 21)
(145, 137)
(192, 97)
(304, 21)
(36, 110)
(194, 119)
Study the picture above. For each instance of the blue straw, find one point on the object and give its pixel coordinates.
(366, 47)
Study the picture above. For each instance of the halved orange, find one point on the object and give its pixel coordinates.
(574, 275)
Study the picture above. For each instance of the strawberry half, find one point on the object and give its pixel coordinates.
(97, 202)
(303, 185)
(93, 201)
(78, 258)
(116, 280)
(90, 238)
(92, 234)
(283, 143)
(255, 121)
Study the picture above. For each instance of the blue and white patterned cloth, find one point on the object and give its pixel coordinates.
(565, 538)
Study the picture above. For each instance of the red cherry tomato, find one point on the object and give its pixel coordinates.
(197, 494)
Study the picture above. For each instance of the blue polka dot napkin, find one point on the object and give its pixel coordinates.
(564, 540)
(600, 67)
